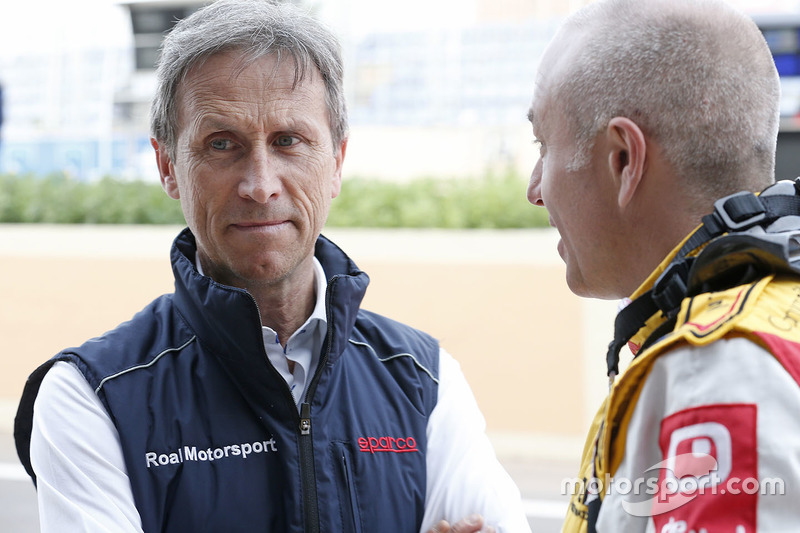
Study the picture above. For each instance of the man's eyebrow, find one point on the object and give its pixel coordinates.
(212, 122)
(205, 123)
(531, 116)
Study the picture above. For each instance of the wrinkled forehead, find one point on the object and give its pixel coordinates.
(264, 87)
(235, 62)
(231, 71)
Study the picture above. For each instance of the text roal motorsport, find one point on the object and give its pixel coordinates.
(191, 453)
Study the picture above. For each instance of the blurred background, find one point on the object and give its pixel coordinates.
(435, 87)
(433, 205)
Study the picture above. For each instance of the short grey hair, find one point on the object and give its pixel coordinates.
(257, 28)
(696, 75)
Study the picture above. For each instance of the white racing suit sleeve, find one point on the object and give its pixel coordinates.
(464, 475)
(730, 400)
(82, 482)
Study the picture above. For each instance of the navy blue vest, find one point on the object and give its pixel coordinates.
(211, 435)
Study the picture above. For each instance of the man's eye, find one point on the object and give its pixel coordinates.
(286, 140)
(221, 144)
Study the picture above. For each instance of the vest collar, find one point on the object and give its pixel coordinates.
(227, 320)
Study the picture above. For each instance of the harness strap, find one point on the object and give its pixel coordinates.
(732, 214)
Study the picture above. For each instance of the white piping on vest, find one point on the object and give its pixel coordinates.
(151, 363)
(395, 356)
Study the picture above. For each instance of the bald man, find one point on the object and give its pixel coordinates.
(651, 115)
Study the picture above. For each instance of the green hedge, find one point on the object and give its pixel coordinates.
(489, 202)
(58, 199)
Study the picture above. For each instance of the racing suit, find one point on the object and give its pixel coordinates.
(701, 433)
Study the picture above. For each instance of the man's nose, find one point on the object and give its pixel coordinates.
(260, 180)
(535, 185)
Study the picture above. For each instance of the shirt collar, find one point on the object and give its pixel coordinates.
(321, 283)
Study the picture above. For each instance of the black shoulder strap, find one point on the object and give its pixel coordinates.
(23, 422)
(733, 215)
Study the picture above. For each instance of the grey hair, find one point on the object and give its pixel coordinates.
(257, 28)
(695, 75)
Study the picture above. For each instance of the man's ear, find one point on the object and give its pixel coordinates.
(337, 177)
(165, 169)
(628, 152)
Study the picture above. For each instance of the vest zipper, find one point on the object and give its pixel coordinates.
(308, 476)
(308, 472)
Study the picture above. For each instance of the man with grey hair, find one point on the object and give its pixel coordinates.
(258, 396)
(651, 115)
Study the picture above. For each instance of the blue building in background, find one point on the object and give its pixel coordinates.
(782, 33)
(82, 108)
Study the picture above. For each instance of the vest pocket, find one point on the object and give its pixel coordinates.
(345, 482)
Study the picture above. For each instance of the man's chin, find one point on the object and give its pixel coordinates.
(581, 287)
(578, 284)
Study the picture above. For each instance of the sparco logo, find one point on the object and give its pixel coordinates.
(387, 444)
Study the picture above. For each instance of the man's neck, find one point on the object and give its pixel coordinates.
(285, 307)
